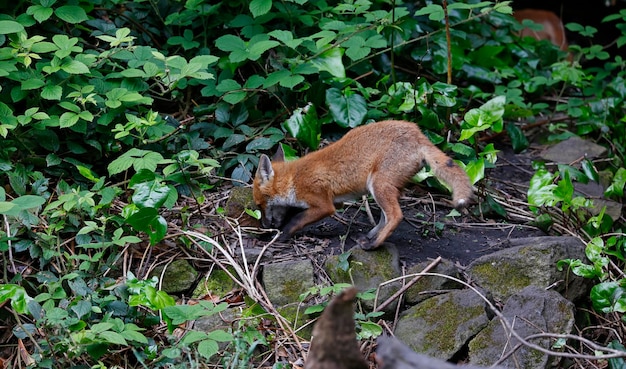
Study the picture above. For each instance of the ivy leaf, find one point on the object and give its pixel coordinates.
(608, 297)
(149, 221)
(518, 139)
(304, 125)
(260, 7)
(617, 187)
(347, 110)
(541, 188)
(476, 170)
(150, 194)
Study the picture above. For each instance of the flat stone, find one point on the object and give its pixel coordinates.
(572, 150)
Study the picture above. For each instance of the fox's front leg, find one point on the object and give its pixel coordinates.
(310, 215)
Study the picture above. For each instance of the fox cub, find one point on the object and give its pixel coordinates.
(378, 158)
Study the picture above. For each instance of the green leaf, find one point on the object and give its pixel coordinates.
(304, 125)
(617, 186)
(541, 189)
(9, 26)
(40, 13)
(151, 194)
(208, 348)
(476, 170)
(32, 84)
(149, 221)
(260, 7)
(608, 297)
(286, 37)
(137, 158)
(27, 202)
(51, 92)
(230, 43)
(6, 207)
(220, 336)
(134, 336)
(75, 67)
(261, 143)
(113, 337)
(518, 139)
(434, 12)
(348, 110)
(257, 48)
(68, 119)
(330, 61)
(590, 171)
(617, 362)
(18, 296)
(71, 14)
(370, 330)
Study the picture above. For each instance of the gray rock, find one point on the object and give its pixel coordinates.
(440, 326)
(530, 261)
(572, 150)
(533, 310)
(179, 276)
(595, 191)
(286, 281)
(216, 283)
(427, 286)
(393, 354)
(368, 269)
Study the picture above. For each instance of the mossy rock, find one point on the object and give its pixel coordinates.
(532, 311)
(530, 262)
(216, 283)
(240, 199)
(426, 286)
(298, 320)
(286, 281)
(442, 325)
(179, 276)
(368, 269)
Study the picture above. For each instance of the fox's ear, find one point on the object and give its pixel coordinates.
(265, 172)
(280, 154)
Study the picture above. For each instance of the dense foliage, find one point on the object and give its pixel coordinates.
(111, 111)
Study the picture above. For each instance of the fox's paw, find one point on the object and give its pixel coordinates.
(366, 243)
(284, 237)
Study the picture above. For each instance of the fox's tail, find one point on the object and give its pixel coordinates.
(449, 172)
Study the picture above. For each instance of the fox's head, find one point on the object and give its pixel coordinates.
(264, 193)
(274, 192)
(275, 206)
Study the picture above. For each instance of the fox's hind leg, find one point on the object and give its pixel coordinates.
(386, 196)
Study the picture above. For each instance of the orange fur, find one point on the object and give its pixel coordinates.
(552, 31)
(378, 159)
